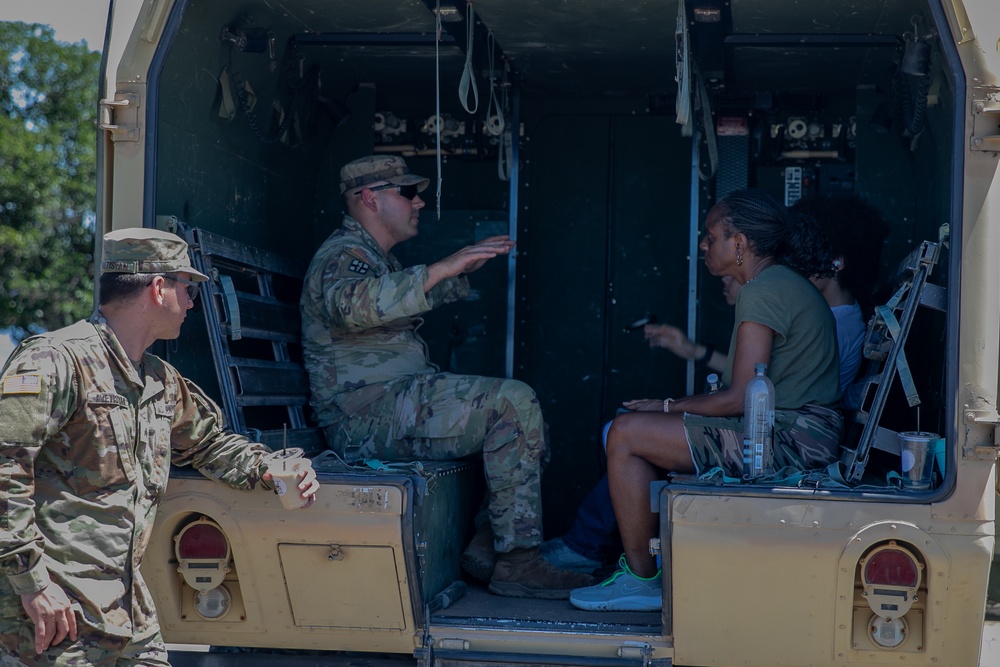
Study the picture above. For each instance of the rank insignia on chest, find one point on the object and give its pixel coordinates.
(359, 266)
(29, 383)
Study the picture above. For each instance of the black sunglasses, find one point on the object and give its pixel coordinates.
(192, 287)
(405, 191)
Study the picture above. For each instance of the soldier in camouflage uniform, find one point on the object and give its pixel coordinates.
(89, 425)
(376, 393)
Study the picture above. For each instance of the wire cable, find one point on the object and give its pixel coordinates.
(437, 100)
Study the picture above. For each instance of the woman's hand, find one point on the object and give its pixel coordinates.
(645, 405)
(672, 338)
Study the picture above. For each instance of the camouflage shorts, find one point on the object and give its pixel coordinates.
(91, 649)
(804, 439)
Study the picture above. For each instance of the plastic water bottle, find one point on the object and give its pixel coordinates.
(711, 383)
(758, 425)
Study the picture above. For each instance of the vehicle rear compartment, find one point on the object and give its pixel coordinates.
(600, 184)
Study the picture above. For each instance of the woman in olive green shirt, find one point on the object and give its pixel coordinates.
(782, 321)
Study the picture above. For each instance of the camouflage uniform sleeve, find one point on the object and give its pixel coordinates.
(448, 290)
(199, 438)
(359, 302)
(37, 395)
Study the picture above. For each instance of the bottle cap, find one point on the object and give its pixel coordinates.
(712, 377)
(760, 368)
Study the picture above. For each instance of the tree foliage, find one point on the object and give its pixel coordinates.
(48, 174)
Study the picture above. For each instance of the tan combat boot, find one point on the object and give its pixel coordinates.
(479, 558)
(524, 573)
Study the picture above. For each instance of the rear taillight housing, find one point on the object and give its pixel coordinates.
(203, 539)
(892, 566)
(890, 577)
(203, 553)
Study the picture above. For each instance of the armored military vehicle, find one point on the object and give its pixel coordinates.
(597, 133)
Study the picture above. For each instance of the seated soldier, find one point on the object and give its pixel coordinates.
(376, 393)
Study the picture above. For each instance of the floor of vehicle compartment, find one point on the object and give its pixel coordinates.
(479, 607)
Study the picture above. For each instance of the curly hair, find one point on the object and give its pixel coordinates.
(854, 230)
(809, 251)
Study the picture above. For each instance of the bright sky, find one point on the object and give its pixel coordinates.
(73, 20)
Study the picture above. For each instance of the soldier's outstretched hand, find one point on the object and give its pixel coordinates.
(52, 613)
(468, 259)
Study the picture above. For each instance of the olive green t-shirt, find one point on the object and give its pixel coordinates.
(804, 365)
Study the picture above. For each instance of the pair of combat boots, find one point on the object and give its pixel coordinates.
(522, 573)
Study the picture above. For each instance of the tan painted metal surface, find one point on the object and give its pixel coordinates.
(330, 576)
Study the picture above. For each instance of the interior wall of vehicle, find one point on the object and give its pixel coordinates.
(603, 242)
(605, 181)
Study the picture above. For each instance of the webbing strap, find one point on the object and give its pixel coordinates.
(468, 80)
(232, 307)
(227, 108)
(831, 477)
(505, 155)
(682, 73)
(902, 366)
(493, 106)
(708, 127)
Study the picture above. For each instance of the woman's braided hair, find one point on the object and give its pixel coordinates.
(769, 227)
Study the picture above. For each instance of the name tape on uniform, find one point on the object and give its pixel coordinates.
(106, 398)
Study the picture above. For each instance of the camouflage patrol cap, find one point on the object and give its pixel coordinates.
(141, 250)
(375, 168)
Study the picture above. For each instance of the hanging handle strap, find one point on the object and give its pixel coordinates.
(468, 75)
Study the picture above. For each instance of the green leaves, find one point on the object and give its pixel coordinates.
(48, 170)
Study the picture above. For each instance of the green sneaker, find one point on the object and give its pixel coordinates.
(622, 591)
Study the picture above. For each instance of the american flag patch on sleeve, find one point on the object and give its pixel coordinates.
(29, 383)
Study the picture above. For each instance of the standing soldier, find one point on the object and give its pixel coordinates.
(377, 394)
(89, 425)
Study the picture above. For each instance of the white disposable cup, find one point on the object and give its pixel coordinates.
(286, 468)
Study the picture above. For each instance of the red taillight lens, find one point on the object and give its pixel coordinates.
(202, 540)
(892, 567)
